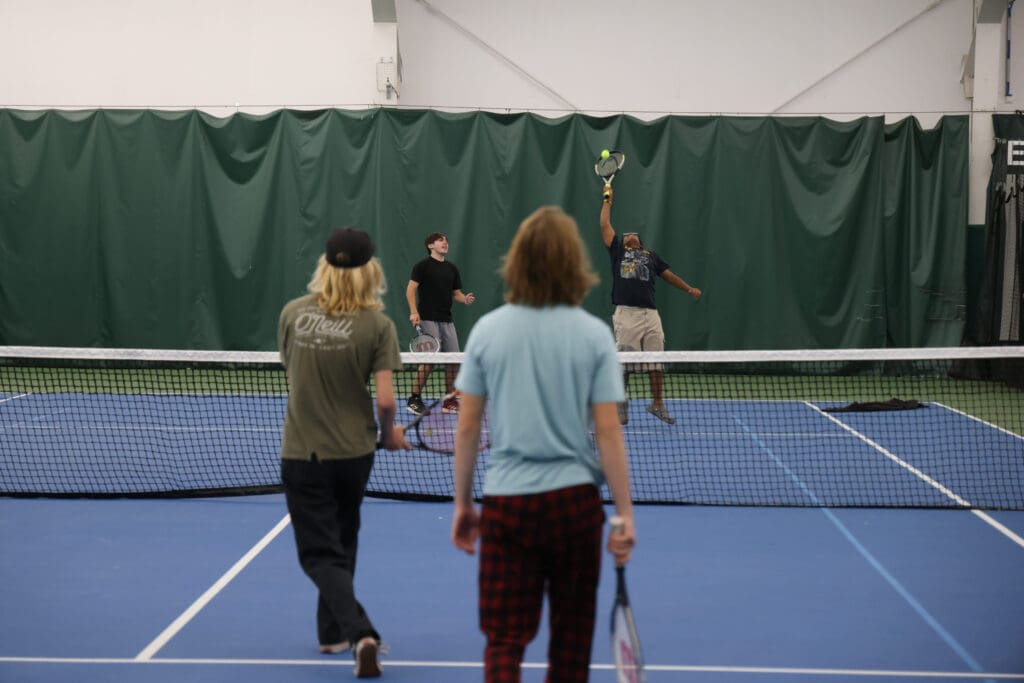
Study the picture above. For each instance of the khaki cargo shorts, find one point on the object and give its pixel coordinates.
(638, 329)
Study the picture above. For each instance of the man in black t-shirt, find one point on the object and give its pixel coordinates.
(437, 282)
(636, 322)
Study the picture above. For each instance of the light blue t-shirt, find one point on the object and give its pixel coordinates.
(541, 370)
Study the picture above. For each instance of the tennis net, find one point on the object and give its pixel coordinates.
(876, 428)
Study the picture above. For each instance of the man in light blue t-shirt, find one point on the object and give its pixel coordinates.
(549, 371)
(545, 368)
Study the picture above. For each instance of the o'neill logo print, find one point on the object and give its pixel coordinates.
(313, 328)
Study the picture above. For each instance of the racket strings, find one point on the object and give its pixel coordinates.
(607, 167)
(437, 429)
(424, 344)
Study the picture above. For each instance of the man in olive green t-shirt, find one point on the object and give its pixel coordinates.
(332, 342)
(330, 410)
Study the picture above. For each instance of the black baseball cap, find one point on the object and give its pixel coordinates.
(348, 248)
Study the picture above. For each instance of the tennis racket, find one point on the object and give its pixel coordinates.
(414, 426)
(607, 167)
(435, 429)
(424, 343)
(629, 663)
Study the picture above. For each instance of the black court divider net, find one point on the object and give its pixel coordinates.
(879, 428)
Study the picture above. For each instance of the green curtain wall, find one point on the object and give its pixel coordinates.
(160, 229)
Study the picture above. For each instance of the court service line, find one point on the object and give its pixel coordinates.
(326, 661)
(925, 478)
(978, 419)
(11, 398)
(905, 465)
(194, 609)
(893, 582)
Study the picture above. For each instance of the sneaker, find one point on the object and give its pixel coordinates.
(334, 648)
(624, 412)
(415, 405)
(450, 406)
(660, 413)
(367, 662)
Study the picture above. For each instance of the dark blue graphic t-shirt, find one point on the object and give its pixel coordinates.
(633, 273)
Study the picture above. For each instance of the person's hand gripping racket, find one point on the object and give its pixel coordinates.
(621, 539)
(394, 439)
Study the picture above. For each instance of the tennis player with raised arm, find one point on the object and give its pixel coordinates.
(549, 371)
(332, 341)
(636, 321)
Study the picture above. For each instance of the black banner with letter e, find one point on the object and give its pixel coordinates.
(1014, 157)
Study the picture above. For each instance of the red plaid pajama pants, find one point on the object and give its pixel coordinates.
(528, 545)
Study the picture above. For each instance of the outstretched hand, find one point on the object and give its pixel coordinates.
(695, 293)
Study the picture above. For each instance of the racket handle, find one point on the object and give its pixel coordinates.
(607, 191)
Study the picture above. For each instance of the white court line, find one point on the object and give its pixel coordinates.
(988, 520)
(344, 661)
(1016, 538)
(925, 478)
(193, 609)
(978, 419)
(11, 398)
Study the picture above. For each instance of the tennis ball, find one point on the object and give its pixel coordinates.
(605, 154)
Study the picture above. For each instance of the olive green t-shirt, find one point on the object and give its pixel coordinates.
(329, 361)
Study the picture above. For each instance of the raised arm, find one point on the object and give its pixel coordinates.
(607, 232)
(678, 282)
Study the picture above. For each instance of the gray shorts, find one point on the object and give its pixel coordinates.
(444, 332)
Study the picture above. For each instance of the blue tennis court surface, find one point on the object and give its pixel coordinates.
(210, 590)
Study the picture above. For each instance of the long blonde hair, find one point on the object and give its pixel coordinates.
(547, 263)
(348, 290)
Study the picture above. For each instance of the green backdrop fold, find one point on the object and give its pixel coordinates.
(158, 229)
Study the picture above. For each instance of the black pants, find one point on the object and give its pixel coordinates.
(323, 499)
